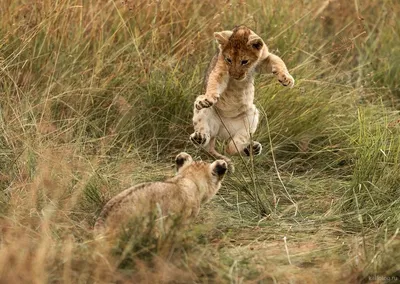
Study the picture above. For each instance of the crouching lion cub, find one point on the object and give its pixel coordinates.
(227, 109)
(195, 183)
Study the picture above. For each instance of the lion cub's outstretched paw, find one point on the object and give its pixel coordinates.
(285, 79)
(256, 150)
(204, 102)
(200, 138)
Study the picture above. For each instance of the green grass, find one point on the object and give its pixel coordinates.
(97, 96)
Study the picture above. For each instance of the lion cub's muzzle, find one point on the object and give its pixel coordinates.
(238, 75)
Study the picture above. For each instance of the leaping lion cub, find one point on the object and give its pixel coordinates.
(226, 110)
(194, 184)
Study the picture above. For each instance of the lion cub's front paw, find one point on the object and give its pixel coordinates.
(204, 102)
(200, 138)
(285, 79)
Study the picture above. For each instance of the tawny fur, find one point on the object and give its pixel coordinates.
(227, 109)
(182, 195)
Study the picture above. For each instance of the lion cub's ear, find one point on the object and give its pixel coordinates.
(219, 168)
(223, 37)
(182, 159)
(255, 41)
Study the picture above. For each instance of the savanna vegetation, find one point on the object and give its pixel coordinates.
(96, 96)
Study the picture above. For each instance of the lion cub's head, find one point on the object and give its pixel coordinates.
(214, 172)
(241, 49)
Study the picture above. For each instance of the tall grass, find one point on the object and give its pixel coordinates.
(97, 96)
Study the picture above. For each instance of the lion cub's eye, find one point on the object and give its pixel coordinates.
(228, 60)
(244, 62)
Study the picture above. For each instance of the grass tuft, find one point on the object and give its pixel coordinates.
(97, 96)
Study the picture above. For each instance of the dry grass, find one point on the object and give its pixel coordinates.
(97, 96)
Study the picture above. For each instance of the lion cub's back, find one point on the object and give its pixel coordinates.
(138, 200)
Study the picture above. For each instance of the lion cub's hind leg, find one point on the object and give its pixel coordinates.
(217, 155)
(206, 126)
(254, 148)
(241, 131)
(241, 143)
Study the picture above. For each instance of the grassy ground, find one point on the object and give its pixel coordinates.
(97, 96)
